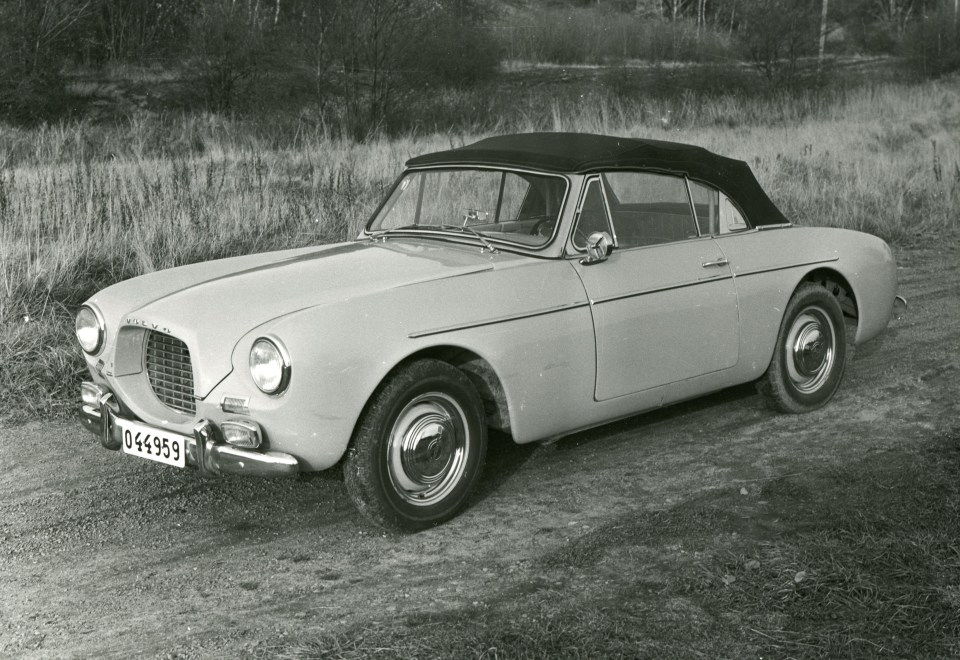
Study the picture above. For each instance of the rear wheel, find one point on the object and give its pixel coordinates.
(419, 447)
(810, 353)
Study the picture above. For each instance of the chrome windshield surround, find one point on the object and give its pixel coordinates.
(447, 234)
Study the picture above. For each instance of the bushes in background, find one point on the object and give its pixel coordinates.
(582, 35)
(932, 44)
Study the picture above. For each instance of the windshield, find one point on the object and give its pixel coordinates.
(509, 206)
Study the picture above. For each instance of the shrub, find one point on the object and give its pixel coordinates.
(777, 34)
(592, 36)
(932, 45)
(34, 44)
(456, 54)
(227, 47)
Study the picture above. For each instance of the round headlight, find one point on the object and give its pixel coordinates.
(269, 365)
(90, 330)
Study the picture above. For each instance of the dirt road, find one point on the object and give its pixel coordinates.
(104, 555)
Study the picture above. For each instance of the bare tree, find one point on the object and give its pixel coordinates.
(36, 37)
(896, 14)
(823, 36)
(372, 42)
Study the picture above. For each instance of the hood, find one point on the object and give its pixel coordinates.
(211, 305)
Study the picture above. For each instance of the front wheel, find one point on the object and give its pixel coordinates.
(810, 353)
(418, 449)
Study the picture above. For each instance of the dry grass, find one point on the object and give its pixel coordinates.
(83, 206)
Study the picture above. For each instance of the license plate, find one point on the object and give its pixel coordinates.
(153, 444)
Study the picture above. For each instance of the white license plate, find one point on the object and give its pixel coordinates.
(153, 444)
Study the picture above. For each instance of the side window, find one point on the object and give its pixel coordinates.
(593, 215)
(706, 204)
(648, 209)
(731, 219)
(716, 214)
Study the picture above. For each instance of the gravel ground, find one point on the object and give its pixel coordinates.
(105, 555)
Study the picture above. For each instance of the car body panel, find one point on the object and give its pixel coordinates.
(661, 316)
(244, 293)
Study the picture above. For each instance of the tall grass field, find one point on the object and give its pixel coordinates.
(85, 205)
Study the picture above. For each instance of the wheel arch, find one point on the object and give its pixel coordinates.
(477, 369)
(836, 284)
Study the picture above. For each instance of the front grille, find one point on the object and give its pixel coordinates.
(170, 372)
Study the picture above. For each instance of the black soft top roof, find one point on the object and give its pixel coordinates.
(582, 153)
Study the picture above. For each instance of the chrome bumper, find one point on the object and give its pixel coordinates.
(899, 307)
(203, 450)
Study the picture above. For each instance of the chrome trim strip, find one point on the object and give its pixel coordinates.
(634, 294)
(776, 268)
(232, 460)
(779, 225)
(106, 422)
(501, 319)
(203, 437)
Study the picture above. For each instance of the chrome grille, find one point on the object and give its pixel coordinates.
(170, 372)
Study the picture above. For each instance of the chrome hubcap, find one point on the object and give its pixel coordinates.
(427, 450)
(810, 349)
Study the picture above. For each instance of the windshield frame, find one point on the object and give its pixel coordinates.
(458, 237)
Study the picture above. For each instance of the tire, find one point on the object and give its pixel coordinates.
(810, 353)
(418, 449)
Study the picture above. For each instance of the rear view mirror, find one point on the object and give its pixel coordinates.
(599, 245)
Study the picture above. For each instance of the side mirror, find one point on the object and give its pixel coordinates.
(599, 245)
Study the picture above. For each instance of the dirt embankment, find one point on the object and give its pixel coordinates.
(105, 555)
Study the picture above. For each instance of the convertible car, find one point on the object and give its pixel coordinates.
(538, 284)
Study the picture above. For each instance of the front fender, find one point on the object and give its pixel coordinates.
(537, 336)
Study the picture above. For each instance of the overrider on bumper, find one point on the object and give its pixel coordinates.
(204, 450)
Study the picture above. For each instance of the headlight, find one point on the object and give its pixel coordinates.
(90, 330)
(269, 365)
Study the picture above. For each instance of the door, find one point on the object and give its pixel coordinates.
(664, 304)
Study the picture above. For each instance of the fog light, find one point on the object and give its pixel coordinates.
(241, 433)
(90, 393)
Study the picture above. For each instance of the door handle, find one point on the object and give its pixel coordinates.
(715, 264)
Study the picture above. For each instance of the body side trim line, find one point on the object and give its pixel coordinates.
(493, 321)
(775, 268)
(645, 292)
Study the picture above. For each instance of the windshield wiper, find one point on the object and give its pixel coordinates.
(462, 229)
(465, 229)
(383, 232)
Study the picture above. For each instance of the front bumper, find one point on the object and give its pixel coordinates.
(204, 450)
